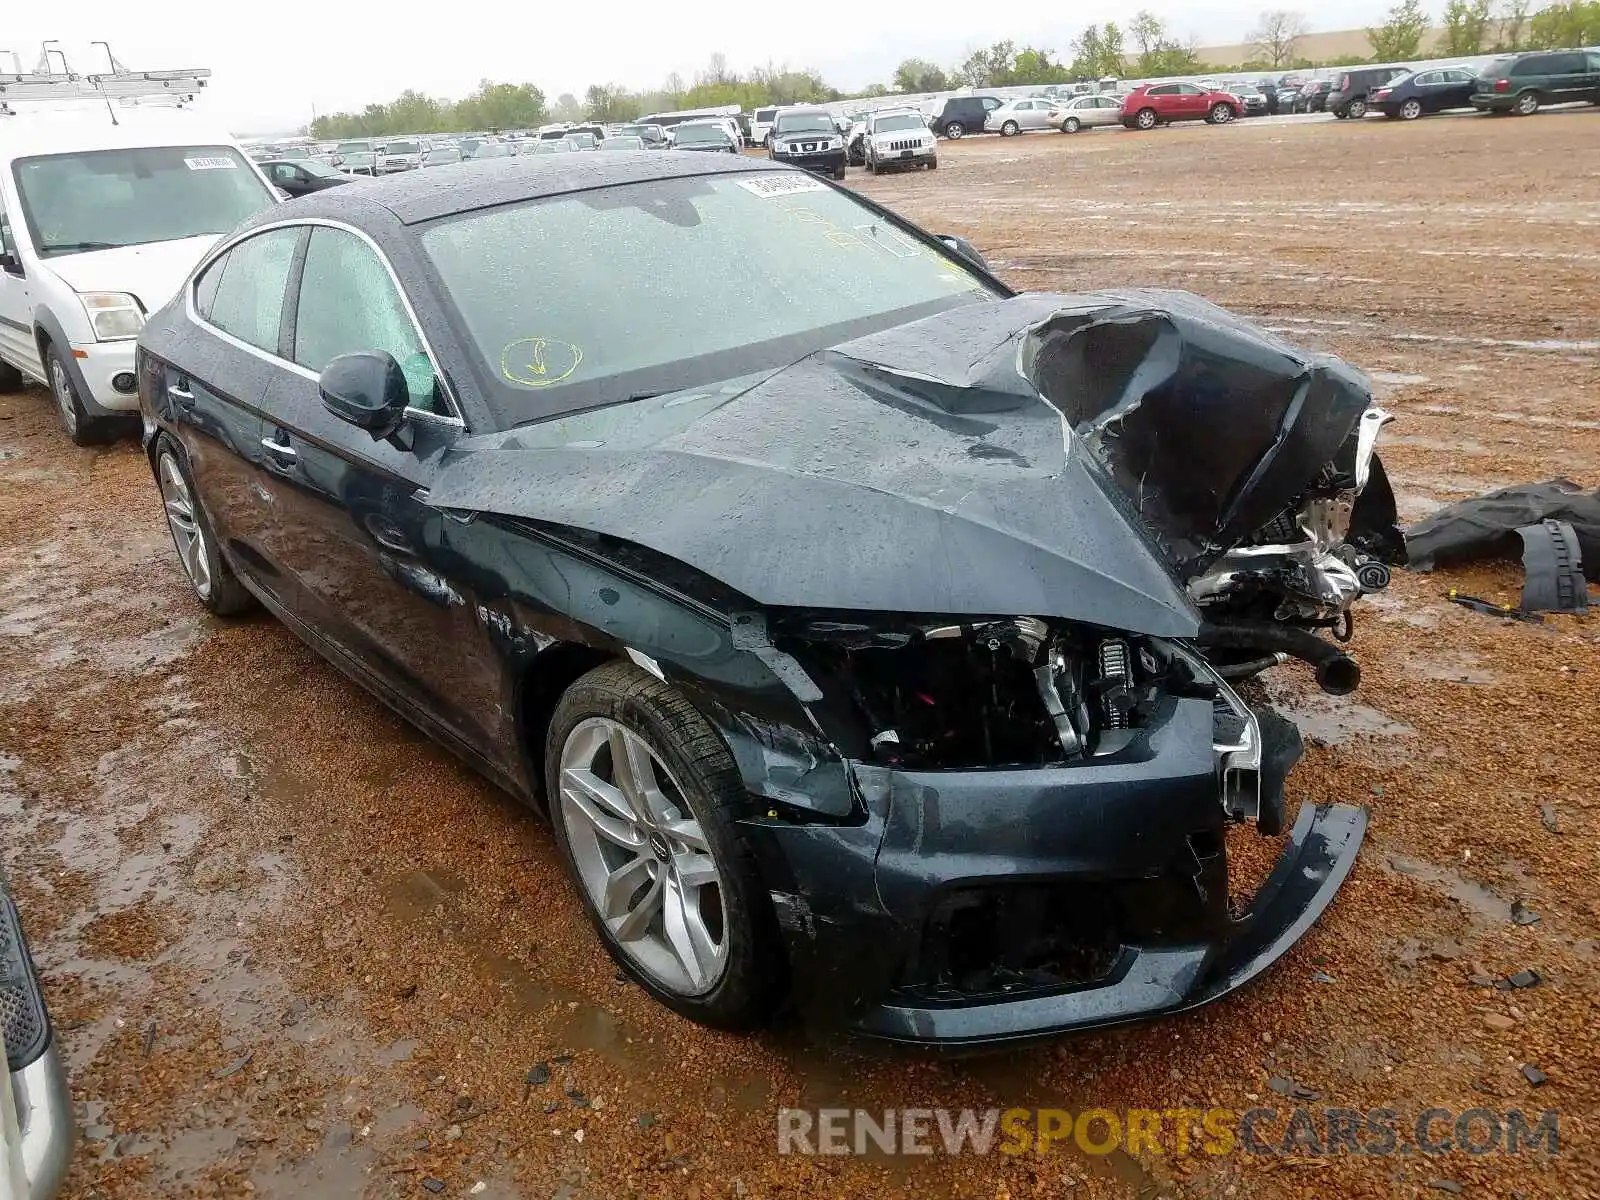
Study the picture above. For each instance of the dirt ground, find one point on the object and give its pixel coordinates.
(294, 949)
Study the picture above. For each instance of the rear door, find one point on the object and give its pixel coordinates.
(1570, 76)
(212, 391)
(1455, 89)
(366, 549)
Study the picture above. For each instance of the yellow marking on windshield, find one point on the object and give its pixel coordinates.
(539, 361)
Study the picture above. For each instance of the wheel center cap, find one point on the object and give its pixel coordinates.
(659, 847)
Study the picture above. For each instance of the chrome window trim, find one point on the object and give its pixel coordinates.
(453, 419)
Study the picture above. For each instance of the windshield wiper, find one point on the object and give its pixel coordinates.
(74, 246)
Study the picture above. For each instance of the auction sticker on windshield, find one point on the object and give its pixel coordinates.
(210, 164)
(781, 185)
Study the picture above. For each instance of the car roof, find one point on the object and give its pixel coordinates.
(416, 196)
(87, 129)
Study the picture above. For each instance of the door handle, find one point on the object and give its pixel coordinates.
(182, 396)
(281, 451)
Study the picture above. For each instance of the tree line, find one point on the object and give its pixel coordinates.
(1147, 48)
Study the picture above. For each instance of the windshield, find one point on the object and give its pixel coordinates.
(584, 140)
(622, 142)
(100, 199)
(404, 148)
(701, 133)
(805, 123)
(903, 121)
(592, 298)
(318, 170)
(549, 135)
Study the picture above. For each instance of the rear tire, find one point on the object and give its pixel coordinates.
(1071, 125)
(955, 131)
(738, 976)
(1411, 110)
(1145, 118)
(1356, 109)
(1010, 129)
(1527, 104)
(209, 575)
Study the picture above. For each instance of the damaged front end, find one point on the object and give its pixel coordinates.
(1042, 848)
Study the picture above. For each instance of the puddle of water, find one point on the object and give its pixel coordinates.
(1477, 901)
(1450, 667)
(1333, 720)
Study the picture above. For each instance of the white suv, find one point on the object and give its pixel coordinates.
(899, 138)
(100, 224)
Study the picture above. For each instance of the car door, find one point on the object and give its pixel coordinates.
(16, 304)
(1192, 101)
(211, 391)
(362, 543)
(1455, 90)
(1571, 72)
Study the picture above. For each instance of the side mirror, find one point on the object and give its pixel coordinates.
(9, 263)
(965, 249)
(367, 389)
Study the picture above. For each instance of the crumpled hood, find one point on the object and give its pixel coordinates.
(929, 468)
(153, 272)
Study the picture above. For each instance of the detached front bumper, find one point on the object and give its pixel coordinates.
(36, 1131)
(981, 908)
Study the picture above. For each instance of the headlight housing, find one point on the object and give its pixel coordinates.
(114, 316)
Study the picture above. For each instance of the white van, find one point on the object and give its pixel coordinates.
(761, 125)
(100, 224)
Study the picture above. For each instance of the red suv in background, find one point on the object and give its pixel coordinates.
(1163, 103)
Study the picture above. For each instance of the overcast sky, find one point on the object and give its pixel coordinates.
(272, 69)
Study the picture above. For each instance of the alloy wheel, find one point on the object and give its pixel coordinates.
(1358, 109)
(61, 388)
(954, 130)
(1527, 104)
(1411, 110)
(642, 857)
(1222, 114)
(1147, 118)
(184, 521)
(1070, 125)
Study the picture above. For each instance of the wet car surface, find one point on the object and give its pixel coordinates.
(337, 933)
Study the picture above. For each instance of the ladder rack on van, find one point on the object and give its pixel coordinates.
(177, 87)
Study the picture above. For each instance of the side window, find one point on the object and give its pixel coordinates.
(1426, 78)
(205, 288)
(1166, 89)
(1567, 64)
(349, 303)
(247, 299)
(990, 103)
(1534, 64)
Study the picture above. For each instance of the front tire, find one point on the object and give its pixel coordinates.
(209, 575)
(644, 797)
(1145, 119)
(933, 164)
(1220, 114)
(80, 427)
(1071, 125)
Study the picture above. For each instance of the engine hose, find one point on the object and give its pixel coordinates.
(1254, 666)
(1337, 673)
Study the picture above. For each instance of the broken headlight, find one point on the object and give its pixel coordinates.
(1016, 691)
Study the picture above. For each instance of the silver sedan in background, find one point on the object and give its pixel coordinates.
(1087, 112)
(1019, 116)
